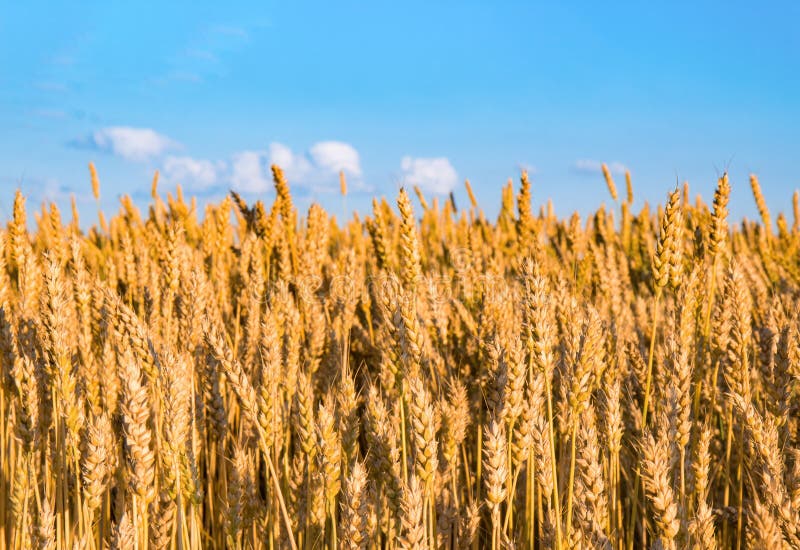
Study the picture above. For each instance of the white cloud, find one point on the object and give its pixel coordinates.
(317, 170)
(434, 175)
(296, 167)
(193, 173)
(136, 144)
(588, 166)
(336, 156)
(249, 172)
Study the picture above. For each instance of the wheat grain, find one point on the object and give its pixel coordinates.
(246, 379)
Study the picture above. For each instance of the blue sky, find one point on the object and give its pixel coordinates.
(398, 93)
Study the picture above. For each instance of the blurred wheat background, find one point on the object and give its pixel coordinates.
(259, 377)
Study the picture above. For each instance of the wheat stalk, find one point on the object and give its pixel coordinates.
(242, 378)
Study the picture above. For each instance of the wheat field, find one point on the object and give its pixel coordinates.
(259, 377)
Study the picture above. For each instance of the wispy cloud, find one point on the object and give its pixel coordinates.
(182, 76)
(50, 86)
(206, 54)
(38, 189)
(203, 55)
(63, 59)
(53, 190)
(589, 166)
(230, 30)
(50, 113)
(434, 175)
(135, 144)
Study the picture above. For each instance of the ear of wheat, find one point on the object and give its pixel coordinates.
(253, 378)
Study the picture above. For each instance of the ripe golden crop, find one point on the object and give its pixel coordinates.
(428, 379)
